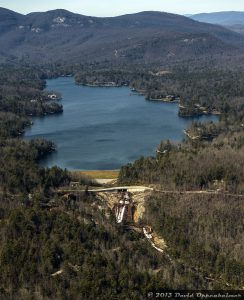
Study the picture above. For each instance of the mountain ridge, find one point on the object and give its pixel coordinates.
(144, 37)
(227, 18)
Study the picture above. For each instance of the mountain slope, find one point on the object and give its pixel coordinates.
(145, 37)
(233, 20)
(9, 19)
(227, 18)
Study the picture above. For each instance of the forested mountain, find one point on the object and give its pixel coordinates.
(227, 18)
(233, 20)
(145, 37)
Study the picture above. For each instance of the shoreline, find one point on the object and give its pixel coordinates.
(108, 174)
(164, 100)
(97, 174)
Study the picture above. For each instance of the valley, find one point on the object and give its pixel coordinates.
(163, 210)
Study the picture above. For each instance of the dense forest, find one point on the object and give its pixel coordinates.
(145, 37)
(199, 91)
(202, 230)
(21, 92)
(192, 165)
(52, 247)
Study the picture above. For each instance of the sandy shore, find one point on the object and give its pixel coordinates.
(101, 176)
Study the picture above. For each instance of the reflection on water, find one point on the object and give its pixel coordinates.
(104, 128)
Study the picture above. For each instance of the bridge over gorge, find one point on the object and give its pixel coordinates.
(127, 202)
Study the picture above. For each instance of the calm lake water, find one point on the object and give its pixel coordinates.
(104, 128)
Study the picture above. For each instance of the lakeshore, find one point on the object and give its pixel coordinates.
(98, 174)
(105, 128)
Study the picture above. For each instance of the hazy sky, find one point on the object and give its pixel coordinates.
(118, 7)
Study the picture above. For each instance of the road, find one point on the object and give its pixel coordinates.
(131, 188)
(138, 188)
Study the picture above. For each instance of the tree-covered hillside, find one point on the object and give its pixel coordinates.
(55, 246)
(146, 37)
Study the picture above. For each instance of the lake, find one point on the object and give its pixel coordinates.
(105, 128)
